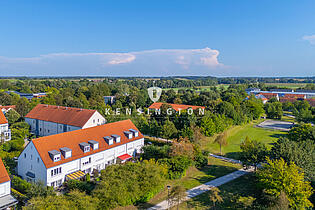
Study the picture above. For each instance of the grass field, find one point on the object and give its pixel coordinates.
(287, 85)
(198, 88)
(237, 134)
(230, 192)
(194, 177)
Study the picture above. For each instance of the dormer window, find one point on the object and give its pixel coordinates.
(66, 152)
(128, 134)
(109, 140)
(116, 138)
(94, 144)
(55, 155)
(85, 147)
(135, 132)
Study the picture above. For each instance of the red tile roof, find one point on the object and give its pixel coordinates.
(60, 114)
(269, 95)
(72, 140)
(283, 99)
(176, 107)
(3, 120)
(4, 176)
(7, 107)
(294, 95)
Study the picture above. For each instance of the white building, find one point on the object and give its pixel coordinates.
(5, 132)
(47, 120)
(56, 158)
(6, 200)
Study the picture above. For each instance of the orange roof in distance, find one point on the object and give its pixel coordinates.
(3, 120)
(72, 140)
(176, 107)
(60, 114)
(4, 176)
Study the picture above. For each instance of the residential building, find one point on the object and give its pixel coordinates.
(176, 107)
(47, 120)
(270, 95)
(5, 109)
(57, 158)
(6, 199)
(109, 99)
(5, 132)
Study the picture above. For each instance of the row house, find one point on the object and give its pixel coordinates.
(6, 199)
(47, 120)
(55, 159)
(5, 132)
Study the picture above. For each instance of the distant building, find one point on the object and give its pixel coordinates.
(270, 95)
(5, 109)
(47, 120)
(109, 99)
(5, 132)
(6, 199)
(39, 95)
(176, 107)
(252, 90)
(28, 96)
(57, 158)
(281, 90)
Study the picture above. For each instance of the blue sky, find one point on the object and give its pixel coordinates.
(157, 38)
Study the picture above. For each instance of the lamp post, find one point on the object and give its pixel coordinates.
(168, 196)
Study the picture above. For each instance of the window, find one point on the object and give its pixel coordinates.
(55, 171)
(57, 158)
(86, 149)
(31, 157)
(24, 155)
(93, 121)
(37, 160)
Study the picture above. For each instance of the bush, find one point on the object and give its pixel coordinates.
(20, 184)
(82, 186)
(177, 166)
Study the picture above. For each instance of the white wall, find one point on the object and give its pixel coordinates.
(98, 161)
(95, 120)
(5, 188)
(33, 163)
(46, 128)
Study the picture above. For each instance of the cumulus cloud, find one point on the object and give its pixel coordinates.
(158, 62)
(310, 38)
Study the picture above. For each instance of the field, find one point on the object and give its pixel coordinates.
(199, 88)
(237, 134)
(287, 85)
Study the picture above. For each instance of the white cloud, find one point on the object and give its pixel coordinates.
(310, 38)
(159, 62)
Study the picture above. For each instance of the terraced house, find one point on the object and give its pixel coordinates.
(70, 155)
(5, 132)
(6, 199)
(47, 120)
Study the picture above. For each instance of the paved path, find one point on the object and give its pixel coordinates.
(226, 159)
(204, 187)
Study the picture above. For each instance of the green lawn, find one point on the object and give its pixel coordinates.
(194, 177)
(287, 85)
(237, 134)
(230, 192)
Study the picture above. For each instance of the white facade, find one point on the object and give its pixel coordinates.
(30, 163)
(46, 128)
(5, 188)
(5, 132)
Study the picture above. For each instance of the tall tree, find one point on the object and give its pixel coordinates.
(277, 176)
(221, 139)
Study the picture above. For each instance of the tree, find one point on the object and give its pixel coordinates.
(221, 139)
(177, 194)
(214, 196)
(23, 106)
(12, 116)
(301, 153)
(277, 176)
(253, 152)
(302, 132)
